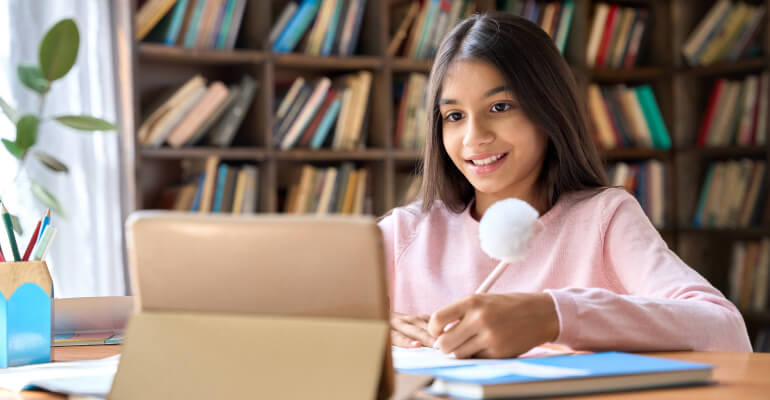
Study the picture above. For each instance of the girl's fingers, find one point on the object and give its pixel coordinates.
(401, 340)
(470, 348)
(414, 332)
(451, 340)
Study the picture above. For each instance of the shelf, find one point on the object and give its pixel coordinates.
(410, 65)
(329, 155)
(747, 232)
(733, 67)
(304, 61)
(732, 152)
(159, 52)
(639, 74)
(407, 155)
(226, 153)
(633, 154)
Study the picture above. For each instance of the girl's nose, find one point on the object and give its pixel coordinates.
(477, 133)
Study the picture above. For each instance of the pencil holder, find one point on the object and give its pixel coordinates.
(25, 313)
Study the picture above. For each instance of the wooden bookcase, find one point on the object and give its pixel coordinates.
(681, 91)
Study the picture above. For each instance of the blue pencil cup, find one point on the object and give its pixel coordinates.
(25, 313)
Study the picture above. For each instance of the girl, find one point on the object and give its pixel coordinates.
(506, 121)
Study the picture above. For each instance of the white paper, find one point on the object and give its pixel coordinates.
(92, 377)
(428, 357)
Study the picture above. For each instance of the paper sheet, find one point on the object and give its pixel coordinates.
(428, 357)
(93, 377)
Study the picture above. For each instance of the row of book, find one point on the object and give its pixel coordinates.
(647, 182)
(308, 111)
(411, 120)
(220, 188)
(196, 112)
(200, 24)
(736, 112)
(318, 27)
(749, 274)
(727, 33)
(420, 29)
(734, 194)
(344, 190)
(627, 117)
(616, 36)
(554, 17)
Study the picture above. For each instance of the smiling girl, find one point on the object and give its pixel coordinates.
(505, 120)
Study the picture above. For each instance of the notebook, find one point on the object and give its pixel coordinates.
(82, 321)
(564, 375)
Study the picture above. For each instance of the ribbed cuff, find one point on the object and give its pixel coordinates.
(566, 310)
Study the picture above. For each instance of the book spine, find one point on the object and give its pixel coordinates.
(176, 22)
(297, 26)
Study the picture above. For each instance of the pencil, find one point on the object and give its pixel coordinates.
(11, 235)
(49, 242)
(41, 248)
(32, 241)
(44, 224)
(2, 257)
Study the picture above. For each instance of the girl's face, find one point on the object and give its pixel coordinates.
(487, 135)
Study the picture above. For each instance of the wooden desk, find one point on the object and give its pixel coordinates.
(736, 376)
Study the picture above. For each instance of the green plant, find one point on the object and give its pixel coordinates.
(56, 56)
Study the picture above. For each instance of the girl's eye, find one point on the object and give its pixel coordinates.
(453, 117)
(501, 107)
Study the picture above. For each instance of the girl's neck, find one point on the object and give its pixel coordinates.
(483, 201)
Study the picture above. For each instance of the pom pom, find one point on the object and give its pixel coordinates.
(507, 228)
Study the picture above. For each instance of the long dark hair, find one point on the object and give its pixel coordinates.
(540, 78)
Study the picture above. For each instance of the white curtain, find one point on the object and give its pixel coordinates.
(86, 257)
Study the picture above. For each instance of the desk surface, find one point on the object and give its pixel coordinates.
(736, 376)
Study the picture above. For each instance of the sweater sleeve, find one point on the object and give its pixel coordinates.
(398, 229)
(665, 304)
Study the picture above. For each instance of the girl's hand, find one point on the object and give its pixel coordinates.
(495, 325)
(410, 330)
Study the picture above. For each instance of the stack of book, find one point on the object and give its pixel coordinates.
(419, 32)
(554, 17)
(733, 194)
(749, 274)
(318, 27)
(309, 110)
(411, 121)
(616, 36)
(200, 24)
(727, 33)
(220, 188)
(343, 190)
(736, 113)
(627, 117)
(647, 182)
(196, 111)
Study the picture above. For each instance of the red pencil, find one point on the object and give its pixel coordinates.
(2, 257)
(32, 242)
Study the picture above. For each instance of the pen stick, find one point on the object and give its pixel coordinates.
(44, 224)
(11, 236)
(32, 241)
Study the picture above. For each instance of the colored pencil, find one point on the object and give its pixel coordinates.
(11, 236)
(32, 241)
(2, 257)
(46, 221)
(41, 248)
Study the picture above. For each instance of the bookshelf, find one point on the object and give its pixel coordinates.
(681, 92)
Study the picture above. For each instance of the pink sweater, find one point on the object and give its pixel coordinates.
(615, 283)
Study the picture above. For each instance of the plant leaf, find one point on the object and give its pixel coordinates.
(51, 162)
(32, 78)
(59, 49)
(16, 225)
(26, 132)
(13, 149)
(9, 111)
(86, 123)
(48, 199)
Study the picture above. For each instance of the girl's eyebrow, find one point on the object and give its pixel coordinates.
(487, 94)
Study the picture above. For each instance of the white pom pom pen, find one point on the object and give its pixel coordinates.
(505, 231)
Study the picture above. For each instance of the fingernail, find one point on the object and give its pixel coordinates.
(415, 343)
(453, 355)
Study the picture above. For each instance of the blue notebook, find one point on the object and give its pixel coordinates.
(565, 375)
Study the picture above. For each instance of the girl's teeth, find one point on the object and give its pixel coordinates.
(488, 160)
